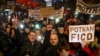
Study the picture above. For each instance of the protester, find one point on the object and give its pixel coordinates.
(43, 30)
(32, 47)
(63, 47)
(25, 33)
(7, 44)
(76, 50)
(97, 31)
(47, 36)
(16, 40)
(53, 31)
(64, 50)
(52, 48)
(61, 33)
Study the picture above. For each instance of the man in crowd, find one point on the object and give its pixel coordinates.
(31, 47)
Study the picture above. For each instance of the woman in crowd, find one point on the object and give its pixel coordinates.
(7, 44)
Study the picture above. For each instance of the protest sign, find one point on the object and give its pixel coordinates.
(79, 33)
(86, 8)
(46, 12)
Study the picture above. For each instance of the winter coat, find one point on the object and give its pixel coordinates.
(31, 49)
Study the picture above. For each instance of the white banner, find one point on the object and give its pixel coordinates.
(79, 33)
(46, 12)
(34, 13)
(59, 13)
(83, 7)
(31, 13)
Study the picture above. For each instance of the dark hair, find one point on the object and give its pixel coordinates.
(63, 45)
(31, 32)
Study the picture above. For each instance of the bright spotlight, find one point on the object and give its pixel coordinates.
(39, 38)
(9, 17)
(21, 26)
(37, 26)
(91, 16)
(76, 13)
(52, 17)
(57, 20)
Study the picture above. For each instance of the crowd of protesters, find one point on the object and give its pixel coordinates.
(49, 39)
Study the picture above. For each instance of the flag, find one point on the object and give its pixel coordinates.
(21, 1)
(31, 3)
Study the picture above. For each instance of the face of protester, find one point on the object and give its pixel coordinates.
(38, 32)
(32, 37)
(43, 29)
(27, 30)
(97, 28)
(49, 27)
(64, 53)
(54, 39)
(8, 30)
(52, 22)
(90, 22)
(53, 31)
(4, 25)
(61, 30)
(44, 22)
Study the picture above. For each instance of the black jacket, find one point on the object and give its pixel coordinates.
(46, 41)
(25, 36)
(32, 50)
(7, 46)
(51, 51)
